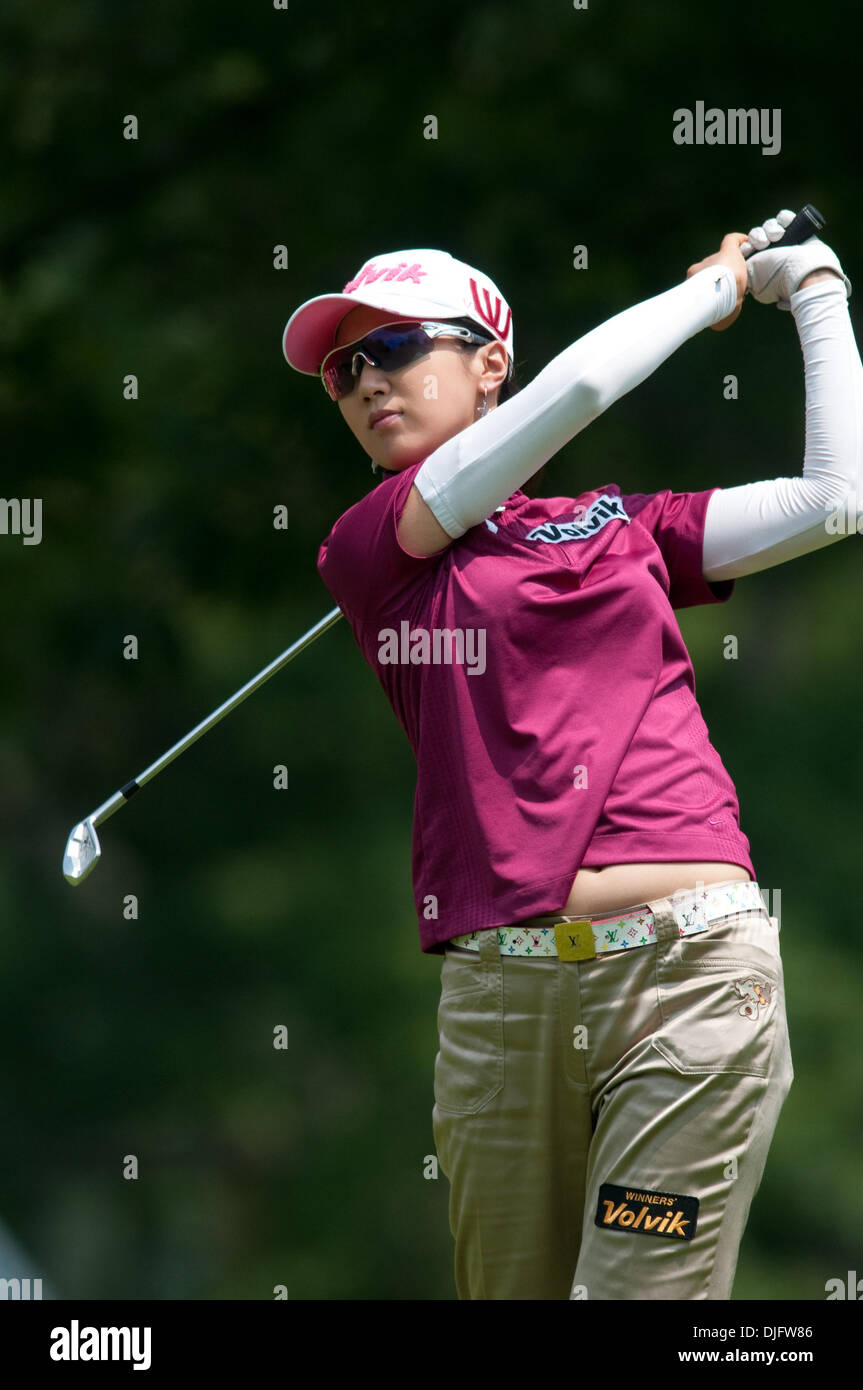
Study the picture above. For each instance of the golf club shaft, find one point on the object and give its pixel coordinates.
(808, 222)
(125, 793)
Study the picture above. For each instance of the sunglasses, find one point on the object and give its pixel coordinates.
(389, 346)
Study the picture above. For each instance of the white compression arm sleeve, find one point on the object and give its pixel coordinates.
(476, 470)
(757, 525)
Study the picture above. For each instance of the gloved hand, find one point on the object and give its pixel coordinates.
(774, 275)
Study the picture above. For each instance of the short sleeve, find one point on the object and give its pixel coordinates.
(676, 521)
(362, 562)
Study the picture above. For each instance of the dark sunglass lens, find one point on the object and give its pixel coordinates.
(391, 347)
(396, 346)
(338, 379)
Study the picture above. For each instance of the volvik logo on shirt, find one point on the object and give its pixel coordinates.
(597, 515)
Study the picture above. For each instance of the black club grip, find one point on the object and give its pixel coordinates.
(807, 223)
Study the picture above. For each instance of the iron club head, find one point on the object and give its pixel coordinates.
(83, 848)
(82, 852)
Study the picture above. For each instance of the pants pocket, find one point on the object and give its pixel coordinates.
(721, 998)
(468, 1071)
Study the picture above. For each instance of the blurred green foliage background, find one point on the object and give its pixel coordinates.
(304, 127)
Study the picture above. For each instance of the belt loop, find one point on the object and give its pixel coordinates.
(489, 949)
(664, 921)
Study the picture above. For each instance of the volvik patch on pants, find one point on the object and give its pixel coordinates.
(650, 1213)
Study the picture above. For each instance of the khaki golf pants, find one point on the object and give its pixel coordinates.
(604, 1124)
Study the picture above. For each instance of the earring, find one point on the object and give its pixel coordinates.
(483, 409)
(374, 466)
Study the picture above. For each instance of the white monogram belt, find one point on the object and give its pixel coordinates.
(583, 938)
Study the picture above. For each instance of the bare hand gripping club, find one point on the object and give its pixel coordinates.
(82, 847)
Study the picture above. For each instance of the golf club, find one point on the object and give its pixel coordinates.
(807, 223)
(82, 847)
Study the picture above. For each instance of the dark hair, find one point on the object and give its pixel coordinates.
(509, 385)
(507, 388)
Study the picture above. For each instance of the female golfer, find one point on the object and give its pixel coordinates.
(614, 1051)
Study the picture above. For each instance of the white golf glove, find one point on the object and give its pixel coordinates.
(774, 275)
